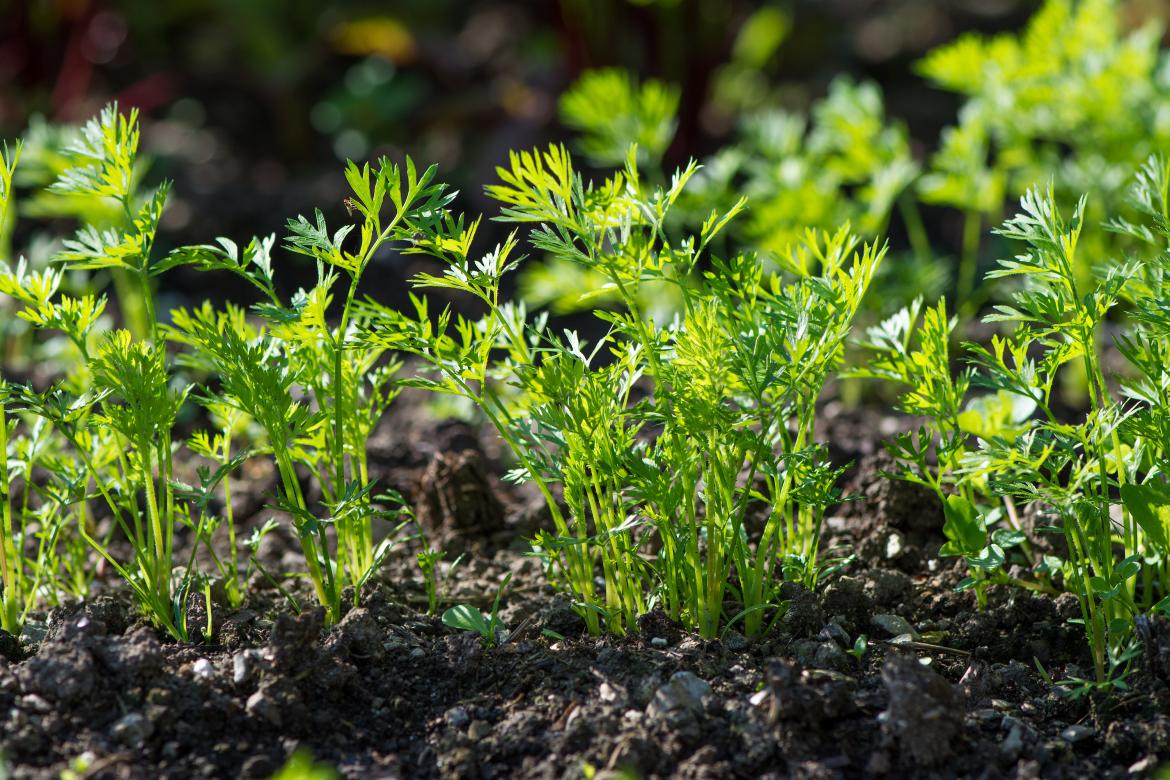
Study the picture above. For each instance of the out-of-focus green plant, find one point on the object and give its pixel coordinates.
(746, 82)
(611, 112)
(1073, 99)
(301, 766)
(844, 162)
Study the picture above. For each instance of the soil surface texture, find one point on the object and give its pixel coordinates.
(941, 690)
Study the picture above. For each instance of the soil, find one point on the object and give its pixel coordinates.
(942, 690)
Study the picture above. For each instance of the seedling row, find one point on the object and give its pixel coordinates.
(675, 440)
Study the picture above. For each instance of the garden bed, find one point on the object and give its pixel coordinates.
(238, 538)
(391, 692)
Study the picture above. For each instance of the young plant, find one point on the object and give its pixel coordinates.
(912, 349)
(436, 586)
(115, 414)
(571, 426)
(121, 402)
(264, 371)
(1058, 316)
(729, 388)
(741, 384)
(428, 565)
(490, 628)
(1017, 448)
(859, 649)
(218, 449)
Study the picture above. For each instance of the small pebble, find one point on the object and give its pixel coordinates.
(1143, 766)
(658, 642)
(895, 625)
(457, 717)
(1074, 734)
(35, 703)
(262, 706)
(683, 693)
(895, 546)
(835, 633)
(1014, 743)
(478, 730)
(202, 668)
(132, 729)
(241, 668)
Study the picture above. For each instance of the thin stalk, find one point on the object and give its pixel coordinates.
(165, 468)
(157, 547)
(613, 601)
(229, 514)
(643, 333)
(915, 228)
(292, 489)
(338, 360)
(1074, 537)
(10, 596)
(339, 392)
(968, 263)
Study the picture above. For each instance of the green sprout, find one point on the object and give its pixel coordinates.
(466, 617)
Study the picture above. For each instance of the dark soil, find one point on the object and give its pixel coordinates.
(390, 692)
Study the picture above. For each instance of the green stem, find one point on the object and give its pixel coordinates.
(10, 597)
(1074, 537)
(157, 558)
(229, 515)
(339, 393)
(968, 264)
(322, 584)
(915, 229)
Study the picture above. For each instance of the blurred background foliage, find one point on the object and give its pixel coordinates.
(257, 99)
(818, 110)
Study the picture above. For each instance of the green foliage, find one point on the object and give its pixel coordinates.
(301, 766)
(292, 388)
(262, 371)
(676, 447)
(1072, 99)
(912, 349)
(612, 111)
(109, 422)
(843, 163)
(731, 386)
(490, 628)
(1097, 479)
